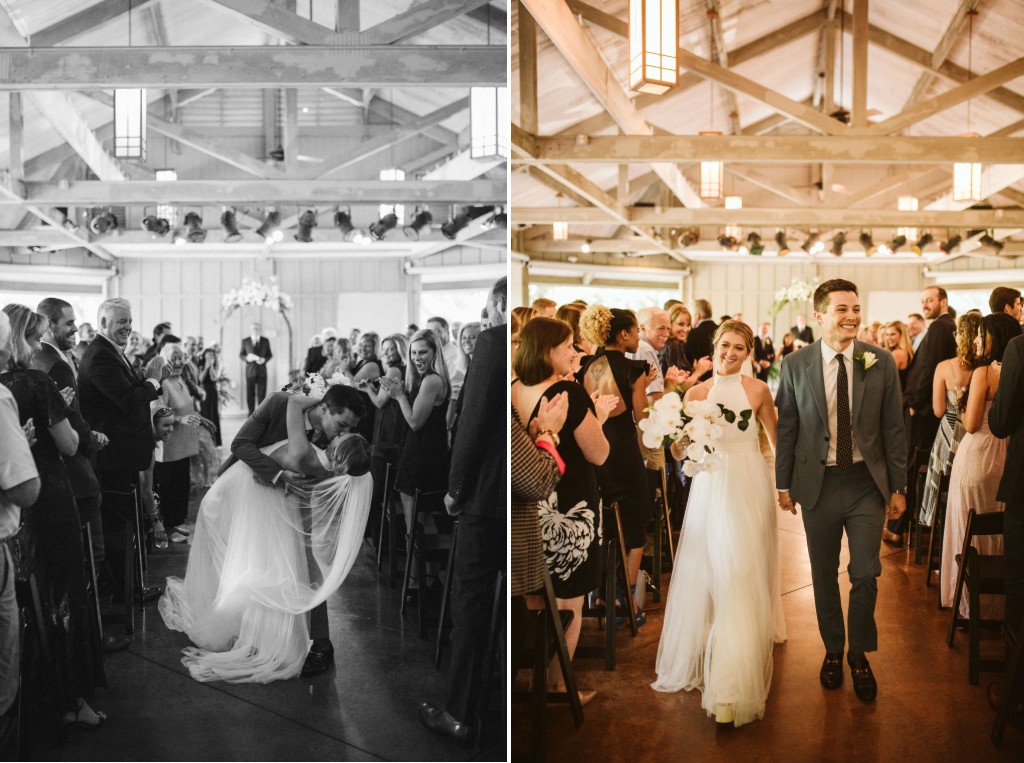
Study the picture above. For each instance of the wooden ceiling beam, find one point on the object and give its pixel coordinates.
(254, 67)
(84, 21)
(771, 185)
(528, 112)
(942, 50)
(423, 15)
(721, 57)
(67, 120)
(270, 18)
(599, 18)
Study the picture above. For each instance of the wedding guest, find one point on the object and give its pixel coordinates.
(411, 329)
(210, 407)
(439, 326)
(86, 334)
(916, 328)
(764, 351)
(171, 475)
(544, 307)
(19, 489)
(314, 355)
(163, 427)
(674, 355)
(788, 345)
(477, 490)
(466, 344)
(949, 389)
(669, 304)
(158, 332)
(896, 340)
(135, 350)
(339, 360)
(524, 314)
(938, 344)
(978, 465)
(515, 327)
(389, 426)
(369, 367)
(698, 341)
(255, 352)
(570, 314)
(801, 331)
(609, 372)
(190, 371)
(570, 520)
(115, 401)
(50, 541)
(1006, 300)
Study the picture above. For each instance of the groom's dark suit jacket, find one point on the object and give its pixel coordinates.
(267, 425)
(1006, 419)
(803, 422)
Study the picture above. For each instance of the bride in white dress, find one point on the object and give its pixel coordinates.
(724, 608)
(247, 587)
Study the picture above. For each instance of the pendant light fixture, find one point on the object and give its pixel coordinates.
(560, 230)
(653, 46)
(130, 116)
(489, 124)
(711, 173)
(967, 175)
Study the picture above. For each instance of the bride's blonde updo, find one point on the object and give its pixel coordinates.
(349, 454)
(735, 327)
(600, 324)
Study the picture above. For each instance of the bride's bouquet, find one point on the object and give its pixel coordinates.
(691, 429)
(316, 384)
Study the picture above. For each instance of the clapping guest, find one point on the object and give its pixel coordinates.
(389, 426)
(466, 343)
(210, 407)
(171, 476)
(50, 542)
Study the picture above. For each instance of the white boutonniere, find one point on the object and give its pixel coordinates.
(866, 359)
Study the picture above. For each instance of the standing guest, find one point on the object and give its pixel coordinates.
(255, 352)
(135, 350)
(369, 367)
(764, 351)
(86, 334)
(171, 476)
(571, 314)
(669, 304)
(515, 328)
(948, 401)
(609, 372)
(1006, 300)
(570, 519)
(439, 326)
(389, 426)
(524, 314)
(801, 331)
(411, 329)
(674, 355)
(54, 358)
(190, 371)
(978, 466)
(938, 344)
(115, 401)
(340, 359)
(466, 344)
(19, 489)
(654, 333)
(314, 355)
(788, 344)
(544, 307)
(210, 407)
(698, 341)
(896, 340)
(477, 490)
(158, 333)
(916, 328)
(50, 540)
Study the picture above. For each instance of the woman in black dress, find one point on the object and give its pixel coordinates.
(209, 409)
(570, 519)
(390, 427)
(623, 476)
(368, 369)
(49, 543)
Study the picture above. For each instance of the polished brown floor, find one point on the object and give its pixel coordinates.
(925, 711)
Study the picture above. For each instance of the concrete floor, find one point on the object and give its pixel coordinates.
(925, 711)
(364, 708)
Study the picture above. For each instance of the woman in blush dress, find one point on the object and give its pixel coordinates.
(724, 610)
(978, 465)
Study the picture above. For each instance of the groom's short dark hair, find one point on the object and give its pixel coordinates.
(822, 293)
(341, 396)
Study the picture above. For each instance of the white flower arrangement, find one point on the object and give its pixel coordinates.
(317, 385)
(259, 294)
(692, 430)
(798, 291)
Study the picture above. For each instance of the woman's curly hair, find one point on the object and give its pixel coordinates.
(600, 324)
(967, 328)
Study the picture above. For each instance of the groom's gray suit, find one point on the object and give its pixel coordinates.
(834, 498)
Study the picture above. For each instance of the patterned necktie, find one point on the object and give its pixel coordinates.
(844, 429)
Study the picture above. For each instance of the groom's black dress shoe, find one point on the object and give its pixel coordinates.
(440, 722)
(831, 675)
(864, 683)
(320, 657)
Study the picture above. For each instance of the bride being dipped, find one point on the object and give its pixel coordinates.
(262, 557)
(724, 608)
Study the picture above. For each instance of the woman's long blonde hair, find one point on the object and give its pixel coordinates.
(412, 376)
(903, 343)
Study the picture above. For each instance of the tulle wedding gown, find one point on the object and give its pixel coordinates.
(724, 608)
(247, 588)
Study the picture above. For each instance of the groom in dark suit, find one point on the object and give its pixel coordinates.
(339, 411)
(255, 352)
(842, 455)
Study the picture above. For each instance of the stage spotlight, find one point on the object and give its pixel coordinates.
(727, 241)
(921, 243)
(230, 225)
(812, 242)
(196, 233)
(838, 241)
(158, 226)
(780, 239)
(380, 228)
(350, 233)
(689, 237)
(949, 246)
(868, 243)
(420, 222)
(103, 223)
(896, 243)
(307, 221)
(270, 228)
(990, 242)
(451, 227)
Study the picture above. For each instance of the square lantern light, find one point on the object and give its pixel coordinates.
(488, 123)
(653, 46)
(967, 181)
(560, 231)
(130, 123)
(907, 204)
(711, 175)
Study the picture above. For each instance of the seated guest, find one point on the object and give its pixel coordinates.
(978, 465)
(50, 540)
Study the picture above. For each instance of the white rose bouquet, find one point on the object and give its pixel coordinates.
(691, 429)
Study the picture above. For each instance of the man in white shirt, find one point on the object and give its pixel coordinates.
(654, 332)
(19, 488)
(916, 328)
(449, 351)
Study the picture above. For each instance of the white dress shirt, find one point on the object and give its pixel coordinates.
(645, 351)
(830, 371)
(916, 341)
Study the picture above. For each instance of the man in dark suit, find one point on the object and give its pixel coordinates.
(1006, 300)
(939, 344)
(477, 495)
(115, 402)
(801, 331)
(764, 351)
(255, 352)
(699, 340)
(340, 411)
(86, 334)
